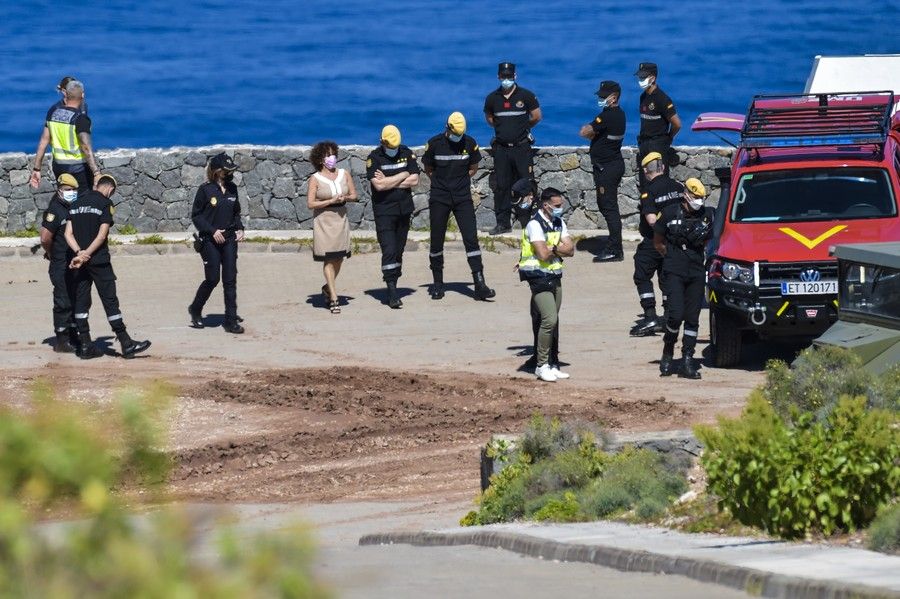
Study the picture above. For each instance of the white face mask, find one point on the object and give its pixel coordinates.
(644, 83)
(70, 196)
(695, 203)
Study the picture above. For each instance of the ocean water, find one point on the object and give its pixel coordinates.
(161, 73)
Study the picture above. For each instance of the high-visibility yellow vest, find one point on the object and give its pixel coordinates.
(530, 266)
(63, 138)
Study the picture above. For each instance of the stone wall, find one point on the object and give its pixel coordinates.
(156, 187)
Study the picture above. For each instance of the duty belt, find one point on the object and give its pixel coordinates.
(522, 142)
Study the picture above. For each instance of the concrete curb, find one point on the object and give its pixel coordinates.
(752, 581)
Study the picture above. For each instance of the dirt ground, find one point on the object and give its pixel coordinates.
(371, 404)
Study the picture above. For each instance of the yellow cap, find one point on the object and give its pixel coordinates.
(390, 135)
(456, 123)
(650, 158)
(67, 179)
(695, 187)
(107, 178)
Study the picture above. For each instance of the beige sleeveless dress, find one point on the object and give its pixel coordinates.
(331, 229)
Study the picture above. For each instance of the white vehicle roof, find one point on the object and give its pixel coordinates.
(870, 72)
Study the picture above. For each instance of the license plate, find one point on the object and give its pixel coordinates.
(808, 288)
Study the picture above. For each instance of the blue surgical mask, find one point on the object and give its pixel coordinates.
(644, 83)
(454, 138)
(507, 83)
(602, 103)
(70, 196)
(557, 212)
(391, 152)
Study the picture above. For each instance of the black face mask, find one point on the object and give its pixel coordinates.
(229, 177)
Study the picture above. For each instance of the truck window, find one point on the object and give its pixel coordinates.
(814, 194)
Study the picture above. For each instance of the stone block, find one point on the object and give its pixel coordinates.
(148, 162)
(19, 178)
(568, 162)
(21, 205)
(282, 209)
(116, 161)
(267, 170)
(154, 209)
(124, 175)
(355, 211)
(301, 208)
(149, 188)
(170, 179)
(15, 161)
(177, 210)
(179, 194)
(192, 176)
(194, 158)
(283, 188)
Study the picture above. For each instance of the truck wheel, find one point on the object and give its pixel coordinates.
(725, 336)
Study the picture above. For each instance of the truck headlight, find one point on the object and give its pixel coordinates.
(736, 272)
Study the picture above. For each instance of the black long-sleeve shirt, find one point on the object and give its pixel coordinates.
(214, 209)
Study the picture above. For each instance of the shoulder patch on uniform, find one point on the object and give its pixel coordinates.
(213, 201)
(643, 195)
(368, 163)
(112, 209)
(599, 120)
(49, 216)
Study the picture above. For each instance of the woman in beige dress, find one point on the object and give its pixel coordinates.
(330, 188)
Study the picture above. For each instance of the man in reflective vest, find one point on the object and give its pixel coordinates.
(545, 242)
(67, 130)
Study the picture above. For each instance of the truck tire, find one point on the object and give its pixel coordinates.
(726, 338)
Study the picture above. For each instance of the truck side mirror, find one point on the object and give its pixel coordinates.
(723, 174)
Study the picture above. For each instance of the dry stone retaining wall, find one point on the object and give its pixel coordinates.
(157, 186)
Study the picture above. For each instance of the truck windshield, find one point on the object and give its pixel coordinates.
(870, 290)
(814, 194)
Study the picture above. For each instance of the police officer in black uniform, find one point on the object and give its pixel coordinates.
(392, 171)
(606, 133)
(90, 218)
(660, 122)
(680, 235)
(451, 159)
(53, 242)
(512, 111)
(660, 191)
(216, 215)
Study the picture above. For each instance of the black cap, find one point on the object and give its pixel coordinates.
(646, 68)
(222, 161)
(506, 68)
(522, 188)
(608, 87)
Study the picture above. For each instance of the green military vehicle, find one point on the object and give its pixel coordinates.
(869, 304)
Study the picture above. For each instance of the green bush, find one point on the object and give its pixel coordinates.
(821, 376)
(572, 479)
(55, 456)
(127, 229)
(631, 478)
(155, 239)
(791, 478)
(884, 534)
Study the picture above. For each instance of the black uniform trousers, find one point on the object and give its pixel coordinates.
(685, 291)
(103, 278)
(511, 163)
(392, 231)
(607, 176)
(663, 145)
(63, 280)
(440, 207)
(219, 263)
(85, 177)
(647, 262)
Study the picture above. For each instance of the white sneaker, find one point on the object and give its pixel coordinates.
(559, 374)
(545, 373)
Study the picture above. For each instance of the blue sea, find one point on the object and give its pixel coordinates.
(164, 73)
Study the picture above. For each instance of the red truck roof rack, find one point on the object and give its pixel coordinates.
(807, 120)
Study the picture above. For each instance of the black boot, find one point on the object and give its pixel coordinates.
(689, 369)
(196, 317)
(233, 327)
(88, 349)
(482, 291)
(665, 363)
(393, 299)
(647, 326)
(437, 290)
(130, 347)
(63, 345)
